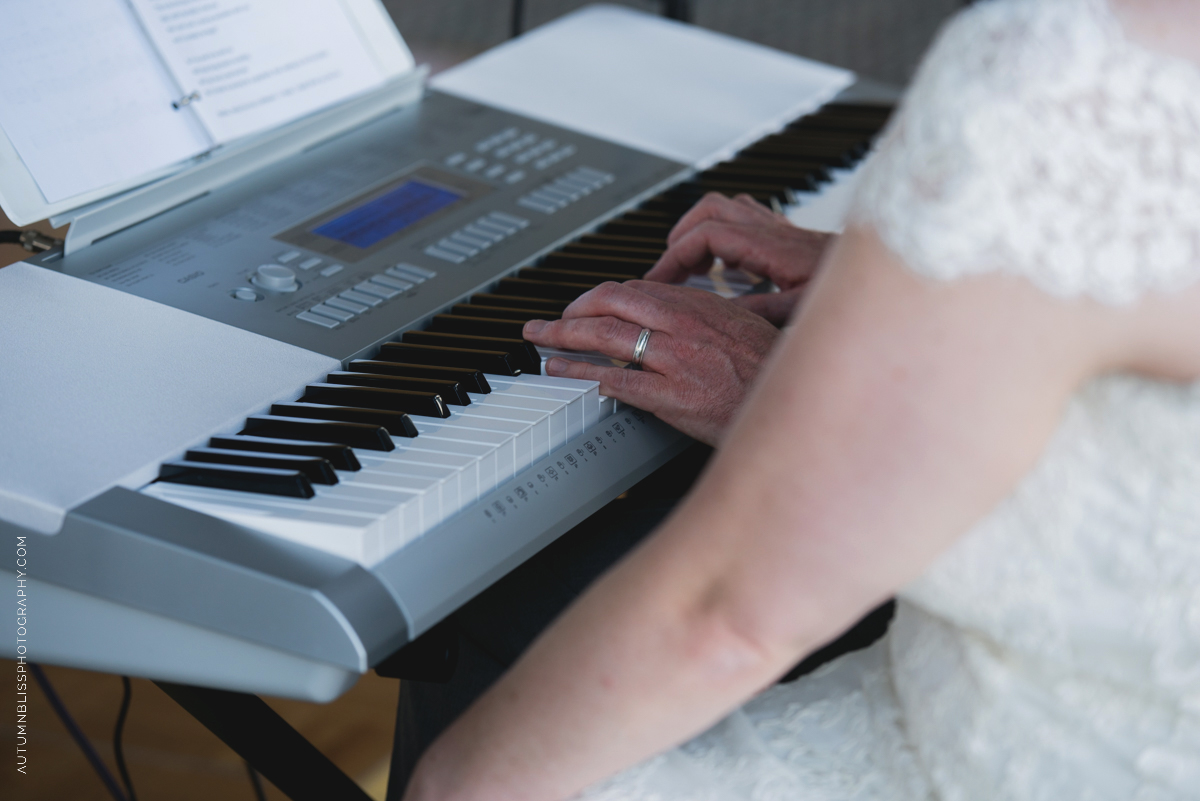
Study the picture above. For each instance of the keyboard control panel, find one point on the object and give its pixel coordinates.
(368, 234)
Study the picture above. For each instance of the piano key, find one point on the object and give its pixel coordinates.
(435, 493)
(263, 480)
(470, 380)
(338, 455)
(520, 302)
(581, 397)
(315, 468)
(500, 463)
(398, 424)
(579, 249)
(427, 404)
(557, 410)
(449, 391)
(570, 276)
(483, 453)
(458, 477)
(523, 287)
(354, 434)
(353, 535)
(510, 438)
(524, 354)
(627, 265)
(488, 361)
(538, 422)
(477, 326)
(502, 313)
(615, 239)
(655, 231)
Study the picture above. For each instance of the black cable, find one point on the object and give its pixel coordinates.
(256, 783)
(518, 18)
(77, 734)
(10, 237)
(118, 749)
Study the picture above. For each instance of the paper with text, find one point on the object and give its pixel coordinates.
(248, 65)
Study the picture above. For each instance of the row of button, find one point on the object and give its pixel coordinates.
(479, 235)
(493, 172)
(566, 190)
(291, 255)
(365, 295)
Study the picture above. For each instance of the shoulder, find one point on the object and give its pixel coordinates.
(1038, 139)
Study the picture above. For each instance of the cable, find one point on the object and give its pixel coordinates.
(518, 18)
(256, 783)
(10, 237)
(118, 750)
(77, 734)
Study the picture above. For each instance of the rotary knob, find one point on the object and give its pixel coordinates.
(276, 278)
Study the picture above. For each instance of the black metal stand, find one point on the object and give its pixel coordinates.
(267, 742)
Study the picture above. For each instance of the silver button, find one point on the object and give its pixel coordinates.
(457, 247)
(394, 283)
(245, 293)
(502, 229)
(331, 311)
(475, 165)
(536, 205)
(308, 264)
(332, 269)
(479, 243)
(288, 256)
(513, 177)
(348, 305)
(324, 322)
(444, 255)
(455, 159)
(509, 218)
(360, 297)
(495, 171)
(480, 232)
(368, 288)
(420, 272)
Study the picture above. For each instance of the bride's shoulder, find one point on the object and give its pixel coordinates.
(1039, 139)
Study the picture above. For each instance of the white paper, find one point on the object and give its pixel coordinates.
(58, 65)
(100, 387)
(256, 64)
(663, 87)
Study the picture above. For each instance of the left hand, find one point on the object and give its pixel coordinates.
(699, 363)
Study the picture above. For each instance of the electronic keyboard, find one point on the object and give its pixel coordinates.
(290, 553)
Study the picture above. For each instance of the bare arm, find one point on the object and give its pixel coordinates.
(895, 413)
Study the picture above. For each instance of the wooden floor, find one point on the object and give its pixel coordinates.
(171, 757)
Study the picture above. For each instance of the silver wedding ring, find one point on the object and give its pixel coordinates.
(639, 350)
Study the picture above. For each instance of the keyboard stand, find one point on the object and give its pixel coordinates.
(267, 742)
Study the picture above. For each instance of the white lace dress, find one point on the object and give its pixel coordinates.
(1054, 652)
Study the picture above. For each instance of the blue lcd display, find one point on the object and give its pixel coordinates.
(378, 219)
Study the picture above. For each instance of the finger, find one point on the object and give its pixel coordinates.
(623, 302)
(756, 208)
(608, 335)
(718, 207)
(694, 252)
(634, 387)
(777, 307)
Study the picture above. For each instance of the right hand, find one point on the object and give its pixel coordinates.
(748, 236)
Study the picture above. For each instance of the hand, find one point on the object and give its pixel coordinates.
(701, 358)
(746, 235)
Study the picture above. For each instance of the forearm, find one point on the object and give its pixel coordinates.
(642, 662)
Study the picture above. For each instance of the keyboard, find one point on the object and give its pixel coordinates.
(291, 553)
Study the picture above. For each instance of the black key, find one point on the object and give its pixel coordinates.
(570, 276)
(523, 287)
(450, 392)
(632, 241)
(497, 362)
(519, 302)
(619, 266)
(316, 469)
(263, 480)
(524, 354)
(657, 231)
(397, 424)
(477, 326)
(425, 404)
(340, 456)
(502, 313)
(356, 435)
(470, 380)
(620, 251)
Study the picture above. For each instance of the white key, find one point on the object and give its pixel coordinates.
(497, 466)
(534, 443)
(555, 408)
(429, 489)
(584, 406)
(476, 474)
(350, 533)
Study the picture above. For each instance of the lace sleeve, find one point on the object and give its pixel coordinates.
(1038, 140)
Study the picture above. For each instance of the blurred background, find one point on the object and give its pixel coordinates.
(170, 755)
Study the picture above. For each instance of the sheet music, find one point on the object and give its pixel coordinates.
(245, 69)
(72, 131)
